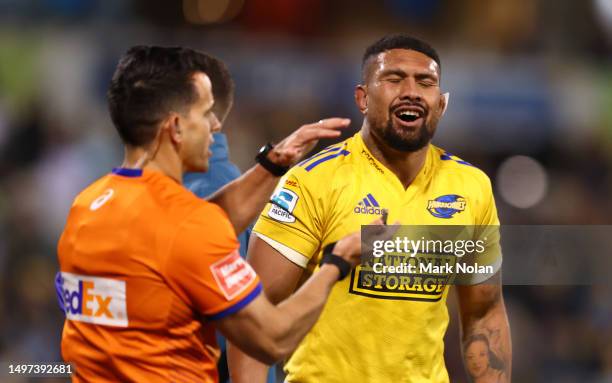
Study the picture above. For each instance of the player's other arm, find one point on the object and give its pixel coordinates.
(279, 277)
(270, 333)
(244, 198)
(484, 324)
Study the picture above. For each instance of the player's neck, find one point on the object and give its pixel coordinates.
(162, 160)
(405, 165)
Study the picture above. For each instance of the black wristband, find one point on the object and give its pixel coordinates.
(339, 262)
(263, 160)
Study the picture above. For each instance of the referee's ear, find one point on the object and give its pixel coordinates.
(361, 98)
(174, 127)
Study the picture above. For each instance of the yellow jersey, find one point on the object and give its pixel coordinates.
(372, 330)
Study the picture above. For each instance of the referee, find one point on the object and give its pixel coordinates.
(147, 269)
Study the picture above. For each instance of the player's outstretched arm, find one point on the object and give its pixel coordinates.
(270, 333)
(244, 198)
(279, 277)
(484, 324)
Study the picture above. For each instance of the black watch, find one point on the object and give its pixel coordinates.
(262, 159)
(336, 260)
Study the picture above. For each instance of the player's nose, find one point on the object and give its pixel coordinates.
(410, 90)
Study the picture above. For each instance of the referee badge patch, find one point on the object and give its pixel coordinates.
(232, 274)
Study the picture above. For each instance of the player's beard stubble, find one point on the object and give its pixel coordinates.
(394, 137)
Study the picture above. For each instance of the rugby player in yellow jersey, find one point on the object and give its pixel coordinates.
(374, 329)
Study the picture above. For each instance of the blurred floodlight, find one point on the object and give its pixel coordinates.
(604, 12)
(211, 11)
(522, 181)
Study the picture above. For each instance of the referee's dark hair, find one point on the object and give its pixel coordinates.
(397, 41)
(151, 81)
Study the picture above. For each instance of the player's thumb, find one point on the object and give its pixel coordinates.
(378, 228)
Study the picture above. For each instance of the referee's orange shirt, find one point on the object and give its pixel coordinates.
(145, 267)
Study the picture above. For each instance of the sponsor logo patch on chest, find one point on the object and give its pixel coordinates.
(368, 205)
(446, 206)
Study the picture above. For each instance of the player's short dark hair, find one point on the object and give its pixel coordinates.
(398, 41)
(150, 82)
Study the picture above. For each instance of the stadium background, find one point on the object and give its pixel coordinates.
(528, 78)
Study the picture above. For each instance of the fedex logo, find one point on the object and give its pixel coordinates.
(94, 300)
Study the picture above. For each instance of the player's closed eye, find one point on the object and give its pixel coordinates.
(426, 80)
(394, 80)
(427, 84)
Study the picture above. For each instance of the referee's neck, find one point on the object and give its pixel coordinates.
(161, 159)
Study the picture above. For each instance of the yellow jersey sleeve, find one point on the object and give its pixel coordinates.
(487, 260)
(487, 209)
(291, 221)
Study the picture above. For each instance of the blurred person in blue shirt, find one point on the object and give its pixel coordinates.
(221, 171)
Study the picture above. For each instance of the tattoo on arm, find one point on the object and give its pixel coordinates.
(487, 348)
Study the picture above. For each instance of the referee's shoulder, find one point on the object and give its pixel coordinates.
(202, 219)
(182, 206)
(92, 190)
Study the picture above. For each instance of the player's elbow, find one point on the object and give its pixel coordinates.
(279, 345)
(275, 355)
(271, 352)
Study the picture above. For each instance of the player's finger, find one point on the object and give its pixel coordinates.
(308, 135)
(329, 123)
(321, 133)
(380, 231)
(378, 228)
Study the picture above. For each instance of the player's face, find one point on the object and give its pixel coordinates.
(477, 356)
(403, 98)
(197, 127)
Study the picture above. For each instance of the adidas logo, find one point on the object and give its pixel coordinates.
(368, 205)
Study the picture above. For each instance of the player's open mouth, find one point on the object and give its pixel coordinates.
(409, 116)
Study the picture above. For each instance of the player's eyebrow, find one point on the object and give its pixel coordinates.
(424, 74)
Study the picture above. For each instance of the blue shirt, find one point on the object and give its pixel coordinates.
(220, 172)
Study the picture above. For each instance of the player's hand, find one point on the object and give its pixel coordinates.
(349, 247)
(293, 148)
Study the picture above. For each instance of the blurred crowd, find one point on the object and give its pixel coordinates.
(530, 85)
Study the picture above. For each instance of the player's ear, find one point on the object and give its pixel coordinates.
(174, 127)
(444, 98)
(361, 98)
